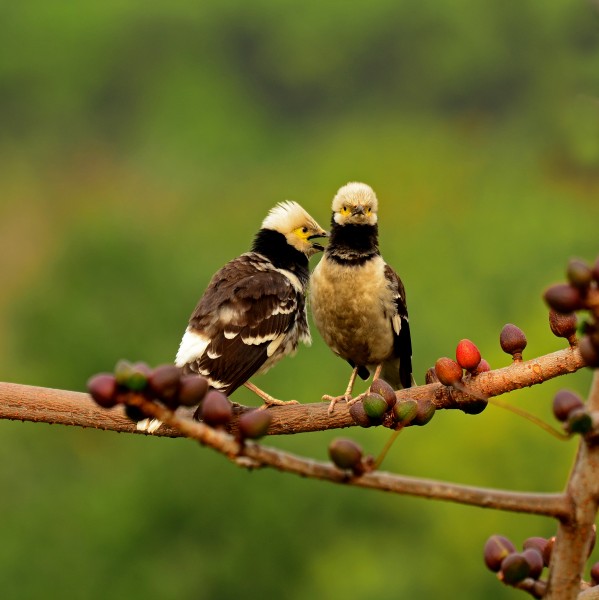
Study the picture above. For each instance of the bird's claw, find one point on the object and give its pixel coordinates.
(276, 402)
(334, 399)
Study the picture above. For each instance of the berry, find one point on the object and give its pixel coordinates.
(192, 389)
(538, 543)
(254, 424)
(563, 324)
(103, 389)
(474, 407)
(564, 403)
(216, 409)
(535, 561)
(513, 341)
(359, 415)
(483, 367)
(405, 411)
(515, 568)
(579, 421)
(589, 351)
(595, 574)
(164, 381)
(131, 376)
(497, 547)
(467, 355)
(346, 454)
(426, 411)
(579, 273)
(563, 298)
(375, 406)
(448, 371)
(381, 387)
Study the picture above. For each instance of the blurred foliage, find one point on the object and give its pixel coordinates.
(143, 143)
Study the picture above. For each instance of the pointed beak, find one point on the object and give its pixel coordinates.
(320, 234)
(358, 210)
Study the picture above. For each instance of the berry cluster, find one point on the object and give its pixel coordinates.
(580, 293)
(132, 382)
(569, 408)
(451, 372)
(380, 407)
(526, 567)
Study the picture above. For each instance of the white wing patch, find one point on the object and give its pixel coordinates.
(272, 347)
(396, 320)
(193, 345)
(259, 339)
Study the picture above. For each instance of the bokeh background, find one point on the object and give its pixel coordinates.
(141, 146)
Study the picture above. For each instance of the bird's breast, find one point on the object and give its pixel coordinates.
(352, 308)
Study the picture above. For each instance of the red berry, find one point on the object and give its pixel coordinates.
(564, 403)
(192, 390)
(483, 367)
(535, 561)
(254, 424)
(346, 454)
(563, 324)
(448, 371)
(515, 568)
(467, 355)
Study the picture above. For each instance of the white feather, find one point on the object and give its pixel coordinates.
(193, 345)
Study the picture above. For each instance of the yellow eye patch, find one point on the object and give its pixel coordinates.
(345, 210)
(302, 232)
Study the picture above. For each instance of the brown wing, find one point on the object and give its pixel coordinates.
(247, 306)
(402, 340)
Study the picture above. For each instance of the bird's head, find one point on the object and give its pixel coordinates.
(298, 227)
(355, 204)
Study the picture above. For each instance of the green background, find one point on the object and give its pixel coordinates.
(141, 145)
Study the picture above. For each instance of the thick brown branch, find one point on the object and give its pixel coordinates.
(28, 403)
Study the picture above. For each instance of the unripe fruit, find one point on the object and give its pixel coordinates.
(254, 424)
(497, 547)
(346, 454)
(405, 411)
(467, 355)
(483, 367)
(579, 421)
(216, 409)
(515, 568)
(103, 389)
(448, 371)
(564, 402)
(579, 273)
(535, 561)
(563, 298)
(563, 324)
(375, 406)
(164, 381)
(512, 340)
(192, 389)
(382, 388)
(131, 376)
(588, 351)
(426, 411)
(359, 415)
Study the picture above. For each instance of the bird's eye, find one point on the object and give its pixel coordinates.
(304, 230)
(344, 209)
(369, 210)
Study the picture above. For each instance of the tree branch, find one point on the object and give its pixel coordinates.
(45, 405)
(252, 455)
(575, 533)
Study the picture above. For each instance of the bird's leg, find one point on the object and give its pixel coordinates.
(268, 399)
(347, 396)
(377, 374)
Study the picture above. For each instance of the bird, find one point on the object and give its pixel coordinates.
(358, 301)
(253, 312)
